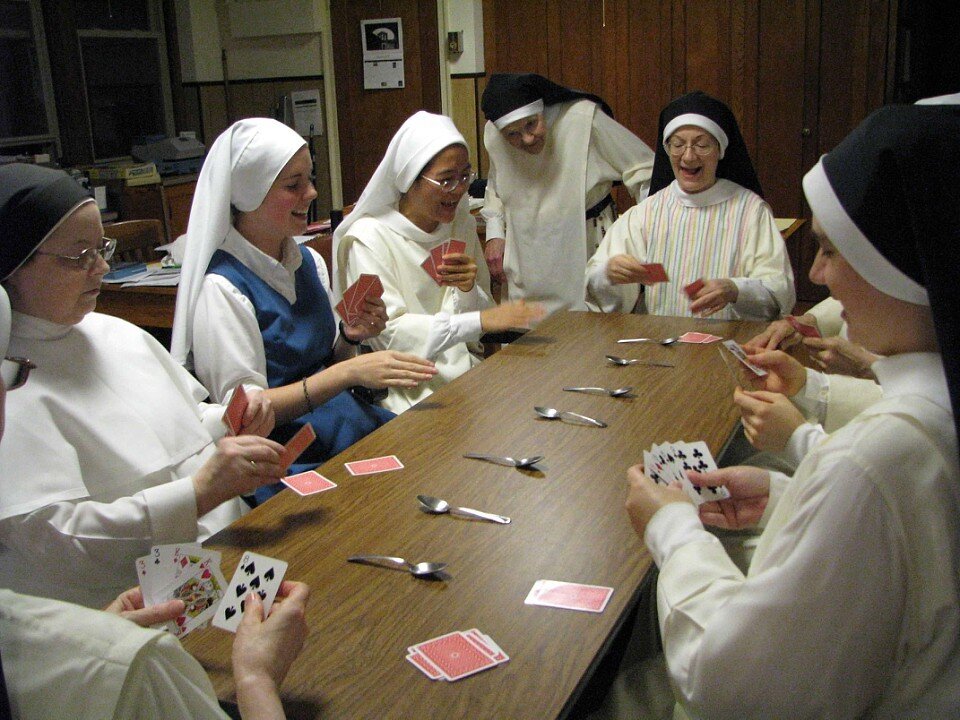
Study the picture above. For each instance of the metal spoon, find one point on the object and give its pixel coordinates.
(566, 416)
(616, 392)
(436, 506)
(523, 462)
(421, 569)
(616, 360)
(665, 341)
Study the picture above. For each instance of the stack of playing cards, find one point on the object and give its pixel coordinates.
(183, 572)
(456, 655)
(569, 595)
(671, 461)
(366, 286)
(698, 338)
(435, 258)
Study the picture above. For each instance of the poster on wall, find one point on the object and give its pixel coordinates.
(382, 53)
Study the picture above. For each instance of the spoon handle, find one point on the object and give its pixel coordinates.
(590, 390)
(479, 514)
(490, 458)
(578, 419)
(634, 340)
(394, 563)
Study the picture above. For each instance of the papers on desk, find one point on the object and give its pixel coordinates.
(144, 275)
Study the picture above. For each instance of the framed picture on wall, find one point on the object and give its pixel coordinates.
(382, 53)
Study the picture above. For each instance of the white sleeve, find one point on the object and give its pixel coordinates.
(227, 344)
(165, 681)
(766, 291)
(492, 210)
(89, 540)
(834, 560)
(625, 236)
(627, 154)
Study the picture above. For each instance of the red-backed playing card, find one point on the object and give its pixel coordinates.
(308, 483)
(655, 273)
(802, 328)
(431, 269)
(693, 288)
(374, 465)
(454, 655)
(425, 666)
(569, 596)
(698, 337)
(297, 444)
(233, 417)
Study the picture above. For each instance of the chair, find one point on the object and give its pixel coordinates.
(136, 239)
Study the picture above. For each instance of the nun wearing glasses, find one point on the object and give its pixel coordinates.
(705, 221)
(110, 448)
(414, 202)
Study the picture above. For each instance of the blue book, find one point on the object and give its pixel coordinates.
(124, 270)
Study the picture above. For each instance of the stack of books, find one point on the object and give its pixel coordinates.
(132, 174)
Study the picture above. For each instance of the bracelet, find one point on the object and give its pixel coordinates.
(345, 338)
(306, 396)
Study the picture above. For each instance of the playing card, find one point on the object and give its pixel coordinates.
(742, 377)
(342, 312)
(655, 273)
(486, 644)
(374, 465)
(160, 567)
(233, 417)
(693, 288)
(454, 655)
(255, 573)
(361, 286)
(297, 444)
(803, 328)
(698, 338)
(201, 590)
(569, 596)
(430, 268)
(425, 666)
(738, 352)
(308, 483)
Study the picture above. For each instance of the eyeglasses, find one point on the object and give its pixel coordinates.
(451, 184)
(15, 371)
(88, 258)
(677, 148)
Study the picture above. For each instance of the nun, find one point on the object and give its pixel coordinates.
(554, 155)
(414, 204)
(705, 221)
(851, 605)
(110, 448)
(254, 306)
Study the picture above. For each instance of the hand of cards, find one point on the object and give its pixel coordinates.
(366, 286)
(456, 655)
(670, 462)
(435, 259)
(192, 574)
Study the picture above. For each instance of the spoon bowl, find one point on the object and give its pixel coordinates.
(436, 506)
(548, 413)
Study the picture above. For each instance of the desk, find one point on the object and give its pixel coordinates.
(569, 523)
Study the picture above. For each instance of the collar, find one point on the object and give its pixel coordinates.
(721, 191)
(29, 327)
(918, 373)
(279, 275)
(398, 222)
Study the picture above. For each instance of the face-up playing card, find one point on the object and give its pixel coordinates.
(454, 654)
(255, 573)
(374, 465)
(802, 328)
(201, 590)
(569, 596)
(297, 444)
(693, 288)
(308, 483)
(740, 354)
(655, 273)
(742, 377)
(698, 338)
(670, 462)
(233, 417)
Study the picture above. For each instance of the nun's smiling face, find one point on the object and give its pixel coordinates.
(283, 212)
(425, 204)
(694, 155)
(528, 134)
(59, 289)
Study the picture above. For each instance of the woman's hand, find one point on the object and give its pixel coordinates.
(839, 356)
(493, 253)
(458, 270)
(645, 497)
(258, 418)
(768, 419)
(749, 492)
(239, 466)
(370, 322)
(388, 368)
(785, 374)
(778, 334)
(510, 315)
(626, 270)
(129, 605)
(714, 296)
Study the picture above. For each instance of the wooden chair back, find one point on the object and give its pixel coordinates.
(136, 239)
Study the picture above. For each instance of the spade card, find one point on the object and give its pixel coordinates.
(255, 573)
(374, 465)
(693, 288)
(233, 417)
(308, 483)
(297, 444)
(803, 328)
(569, 596)
(655, 273)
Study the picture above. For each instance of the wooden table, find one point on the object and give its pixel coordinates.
(569, 523)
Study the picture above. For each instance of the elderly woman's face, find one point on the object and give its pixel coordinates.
(528, 134)
(694, 155)
(425, 204)
(56, 288)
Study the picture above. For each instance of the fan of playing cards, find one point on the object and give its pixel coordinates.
(671, 461)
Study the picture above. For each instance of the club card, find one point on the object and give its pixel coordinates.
(233, 417)
(655, 273)
(308, 483)
(297, 444)
(255, 573)
(693, 288)
(670, 462)
(374, 465)
(802, 328)
(454, 655)
(698, 338)
(569, 596)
